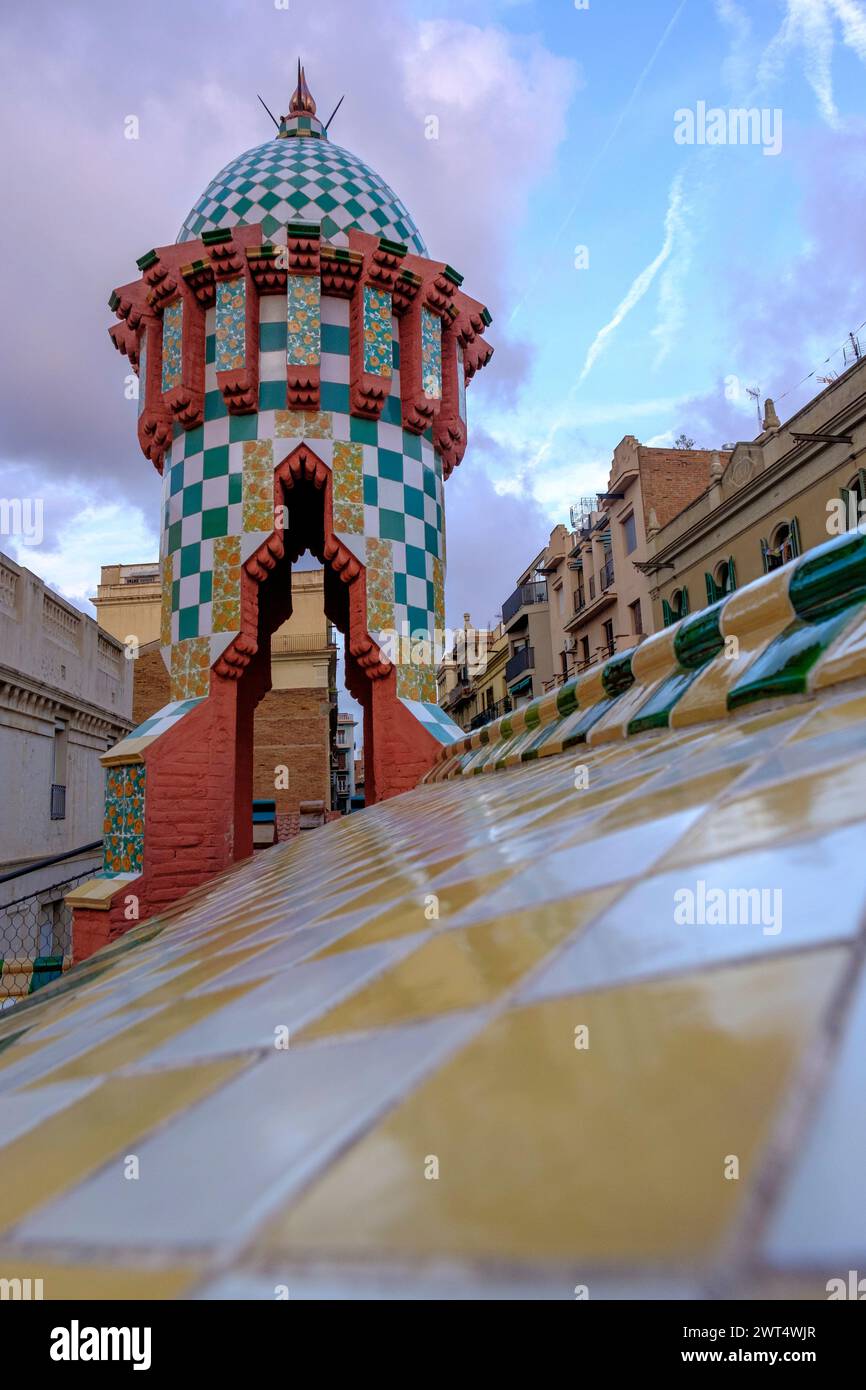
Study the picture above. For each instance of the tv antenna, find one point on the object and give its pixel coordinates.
(335, 110)
(852, 353)
(755, 393)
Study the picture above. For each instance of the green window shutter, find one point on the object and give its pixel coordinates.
(846, 495)
(765, 552)
(667, 615)
(685, 604)
(732, 575)
(711, 588)
(795, 536)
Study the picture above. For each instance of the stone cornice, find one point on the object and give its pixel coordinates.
(27, 696)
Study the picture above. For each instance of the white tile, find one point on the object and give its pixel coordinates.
(215, 1173)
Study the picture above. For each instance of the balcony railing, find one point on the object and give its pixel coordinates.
(607, 575)
(523, 597)
(487, 716)
(579, 600)
(58, 801)
(522, 660)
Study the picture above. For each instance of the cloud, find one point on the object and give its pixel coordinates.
(642, 282)
(82, 202)
(95, 535)
(808, 26)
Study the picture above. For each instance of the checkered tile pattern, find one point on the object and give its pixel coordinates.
(302, 180)
(435, 720)
(401, 503)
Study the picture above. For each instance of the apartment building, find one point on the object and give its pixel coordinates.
(529, 667)
(343, 764)
(474, 693)
(791, 488)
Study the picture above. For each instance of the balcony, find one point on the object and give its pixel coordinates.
(523, 597)
(606, 576)
(491, 712)
(522, 660)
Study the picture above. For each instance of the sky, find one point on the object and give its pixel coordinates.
(641, 279)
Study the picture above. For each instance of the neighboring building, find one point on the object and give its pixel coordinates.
(343, 764)
(611, 597)
(296, 721)
(65, 697)
(526, 624)
(765, 503)
(127, 601)
(471, 696)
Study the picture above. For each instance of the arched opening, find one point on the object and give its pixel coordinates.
(303, 523)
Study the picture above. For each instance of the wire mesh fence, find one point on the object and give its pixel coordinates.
(36, 938)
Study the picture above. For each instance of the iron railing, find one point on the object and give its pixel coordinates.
(523, 597)
(489, 713)
(522, 660)
(58, 801)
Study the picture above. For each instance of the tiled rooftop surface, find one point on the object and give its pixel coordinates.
(596, 1021)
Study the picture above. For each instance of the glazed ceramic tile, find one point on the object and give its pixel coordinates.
(832, 1161)
(71, 1144)
(455, 969)
(636, 1164)
(742, 906)
(280, 1120)
(69, 1282)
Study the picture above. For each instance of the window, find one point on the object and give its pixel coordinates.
(58, 772)
(564, 656)
(560, 600)
(722, 581)
(783, 545)
(853, 497)
(609, 641)
(629, 534)
(584, 649)
(676, 607)
(636, 618)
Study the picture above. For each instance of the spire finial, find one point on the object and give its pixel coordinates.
(302, 103)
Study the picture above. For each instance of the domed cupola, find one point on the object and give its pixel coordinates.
(300, 176)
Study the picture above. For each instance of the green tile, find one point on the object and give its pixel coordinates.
(783, 669)
(390, 465)
(431, 539)
(416, 562)
(335, 397)
(272, 395)
(363, 431)
(216, 462)
(272, 337)
(400, 588)
(335, 339)
(175, 478)
(194, 441)
(205, 587)
(214, 522)
(392, 412)
(236, 488)
(412, 447)
(214, 406)
(413, 501)
(242, 427)
(192, 500)
(429, 482)
(371, 491)
(391, 525)
(419, 621)
(174, 537)
(187, 623)
(190, 559)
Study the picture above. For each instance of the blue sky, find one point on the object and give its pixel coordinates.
(710, 268)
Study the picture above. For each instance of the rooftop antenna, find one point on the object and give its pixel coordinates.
(335, 110)
(755, 393)
(270, 113)
(854, 350)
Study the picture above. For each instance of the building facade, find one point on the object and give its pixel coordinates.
(473, 691)
(792, 488)
(343, 764)
(65, 697)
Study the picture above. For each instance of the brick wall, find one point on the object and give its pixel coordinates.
(672, 478)
(151, 687)
(292, 730)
